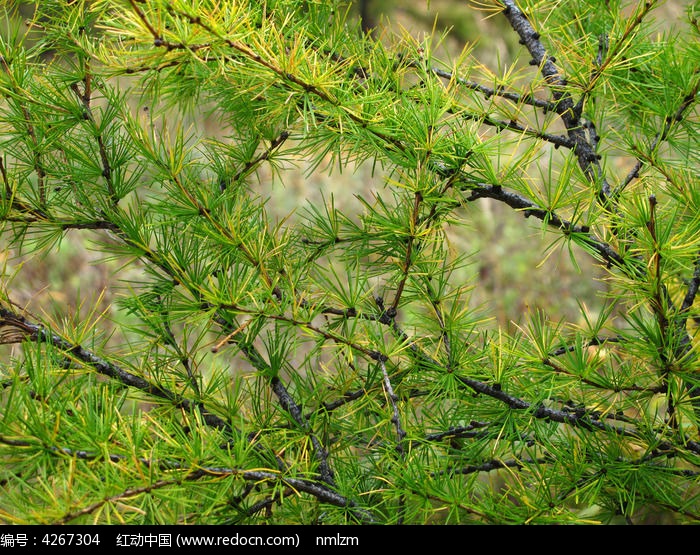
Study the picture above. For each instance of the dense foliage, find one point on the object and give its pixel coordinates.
(330, 364)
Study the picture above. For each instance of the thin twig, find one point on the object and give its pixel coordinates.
(85, 98)
(488, 92)
(275, 144)
(688, 100)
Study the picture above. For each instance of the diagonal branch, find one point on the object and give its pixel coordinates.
(33, 140)
(275, 144)
(488, 92)
(192, 474)
(288, 403)
(688, 100)
(85, 97)
(39, 333)
(570, 114)
(529, 208)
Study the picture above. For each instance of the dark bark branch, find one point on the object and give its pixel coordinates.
(319, 491)
(39, 333)
(287, 402)
(691, 293)
(563, 102)
(605, 251)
